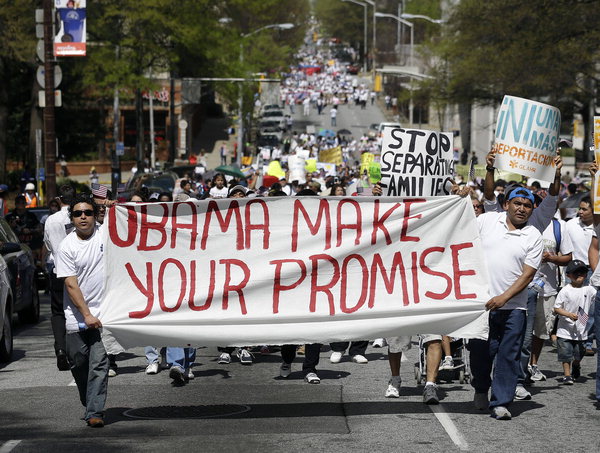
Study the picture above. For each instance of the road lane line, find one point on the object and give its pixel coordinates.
(8, 446)
(449, 426)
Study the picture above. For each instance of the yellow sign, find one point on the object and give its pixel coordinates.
(275, 169)
(332, 155)
(311, 165)
(377, 85)
(365, 161)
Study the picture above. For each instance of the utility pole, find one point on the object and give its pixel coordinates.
(48, 115)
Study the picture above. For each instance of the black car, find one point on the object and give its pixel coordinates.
(155, 182)
(23, 275)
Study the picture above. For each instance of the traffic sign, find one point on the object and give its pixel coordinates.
(41, 73)
(57, 98)
(120, 149)
(39, 50)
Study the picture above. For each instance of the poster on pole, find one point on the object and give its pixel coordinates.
(416, 162)
(527, 138)
(71, 38)
(291, 270)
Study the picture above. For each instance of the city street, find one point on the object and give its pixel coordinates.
(250, 408)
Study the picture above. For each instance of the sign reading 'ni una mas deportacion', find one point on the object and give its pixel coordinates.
(527, 138)
(416, 162)
(291, 270)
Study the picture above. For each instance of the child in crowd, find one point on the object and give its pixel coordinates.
(573, 304)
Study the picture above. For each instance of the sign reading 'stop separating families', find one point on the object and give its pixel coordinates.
(416, 162)
(527, 138)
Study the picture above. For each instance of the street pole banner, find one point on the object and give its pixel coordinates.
(416, 162)
(527, 138)
(71, 38)
(291, 270)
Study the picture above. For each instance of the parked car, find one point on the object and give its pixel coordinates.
(23, 282)
(6, 338)
(271, 107)
(274, 115)
(268, 141)
(155, 182)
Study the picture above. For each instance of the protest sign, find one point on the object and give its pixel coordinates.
(296, 166)
(527, 138)
(71, 37)
(365, 160)
(374, 172)
(332, 155)
(290, 270)
(274, 169)
(328, 167)
(416, 162)
(311, 165)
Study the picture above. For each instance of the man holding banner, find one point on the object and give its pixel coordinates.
(516, 248)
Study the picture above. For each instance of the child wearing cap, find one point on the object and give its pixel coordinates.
(573, 305)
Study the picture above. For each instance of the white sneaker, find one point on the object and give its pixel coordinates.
(379, 343)
(112, 372)
(536, 374)
(393, 389)
(190, 374)
(447, 363)
(336, 357)
(245, 357)
(152, 368)
(312, 378)
(360, 359)
(285, 370)
(224, 359)
(501, 413)
(521, 393)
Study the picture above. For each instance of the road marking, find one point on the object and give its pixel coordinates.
(449, 426)
(9, 446)
(70, 384)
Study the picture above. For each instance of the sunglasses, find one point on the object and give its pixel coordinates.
(79, 213)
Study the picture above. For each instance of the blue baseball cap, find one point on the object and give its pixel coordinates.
(521, 192)
(3, 188)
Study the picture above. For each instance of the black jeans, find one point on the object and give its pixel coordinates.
(57, 318)
(356, 347)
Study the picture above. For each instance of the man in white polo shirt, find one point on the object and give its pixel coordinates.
(514, 252)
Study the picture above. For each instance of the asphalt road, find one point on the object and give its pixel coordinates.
(252, 409)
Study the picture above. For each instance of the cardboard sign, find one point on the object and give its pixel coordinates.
(416, 162)
(527, 138)
(290, 270)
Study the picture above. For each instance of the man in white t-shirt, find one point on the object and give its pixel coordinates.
(581, 230)
(514, 250)
(80, 262)
(56, 228)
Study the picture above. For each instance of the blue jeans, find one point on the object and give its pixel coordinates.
(89, 366)
(532, 299)
(597, 331)
(181, 357)
(152, 354)
(507, 328)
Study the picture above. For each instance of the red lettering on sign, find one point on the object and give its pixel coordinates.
(378, 222)
(426, 269)
(407, 217)
(171, 284)
(459, 273)
(232, 209)
(147, 290)
(176, 226)
(313, 227)
(365, 283)
(415, 278)
(145, 226)
(349, 226)
(264, 227)
(278, 287)
(388, 281)
(315, 288)
(211, 287)
(228, 287)
(131, 227)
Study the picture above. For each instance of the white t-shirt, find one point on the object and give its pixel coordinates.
(506, 252)
(581, 237)
(548, 271)
(218, 193)
(56, 228)
(83, 259)
(571, 299)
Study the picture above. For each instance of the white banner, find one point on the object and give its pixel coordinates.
(289, 270)
(527, 138)
(416, 162)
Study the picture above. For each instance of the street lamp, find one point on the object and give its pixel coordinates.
(240, 137)
(408, 24)
(364, 5)
(421, 16)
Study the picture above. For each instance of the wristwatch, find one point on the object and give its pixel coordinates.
(488, 168)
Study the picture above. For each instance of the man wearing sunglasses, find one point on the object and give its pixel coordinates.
(80, 262)
(514, 252)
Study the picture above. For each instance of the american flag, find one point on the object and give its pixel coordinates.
(99, 191)
(471, 171)
(582, 317)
